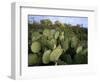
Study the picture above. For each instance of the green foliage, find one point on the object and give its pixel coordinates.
(80, 59)
(65, 44)
(57, 34)
(74, 42)
(46, 57)
(62, 36)
(59, 24)
(60, 62)
(55, 54)
(46, 32)
(32, 59)
(51, 43)
(68, 59)
(79, 49)
(56, 44)
(46, 22)
(35, 36)
(36, 47)
(85, 51)
(81, 56)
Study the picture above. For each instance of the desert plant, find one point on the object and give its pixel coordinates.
(46, 57)
(35, 47)
(32, 59)
(56, 46)
(55, 54)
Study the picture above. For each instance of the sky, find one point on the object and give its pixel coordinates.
(64, 19)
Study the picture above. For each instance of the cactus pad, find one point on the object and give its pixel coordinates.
(36, 47)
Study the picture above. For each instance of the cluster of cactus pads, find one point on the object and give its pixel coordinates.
(55, 47)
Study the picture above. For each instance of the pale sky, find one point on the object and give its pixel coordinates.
(68, 19)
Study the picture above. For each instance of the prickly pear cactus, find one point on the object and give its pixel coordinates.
(46, 57)
(51, 43)
(85, 51)
(65, 44)
(68, 58)
(79, 49)
(46, 32)
(74, 42)
(81, 56)
(56, 44)
(62, 36)
(35, 47)
(35, 36)
(81, 59)
(32, 59)
(55, 54)
(56, 34)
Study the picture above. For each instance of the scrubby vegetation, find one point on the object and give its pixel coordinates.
(56, 44)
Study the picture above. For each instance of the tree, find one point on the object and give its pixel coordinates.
(46, 22)
(59, 24)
